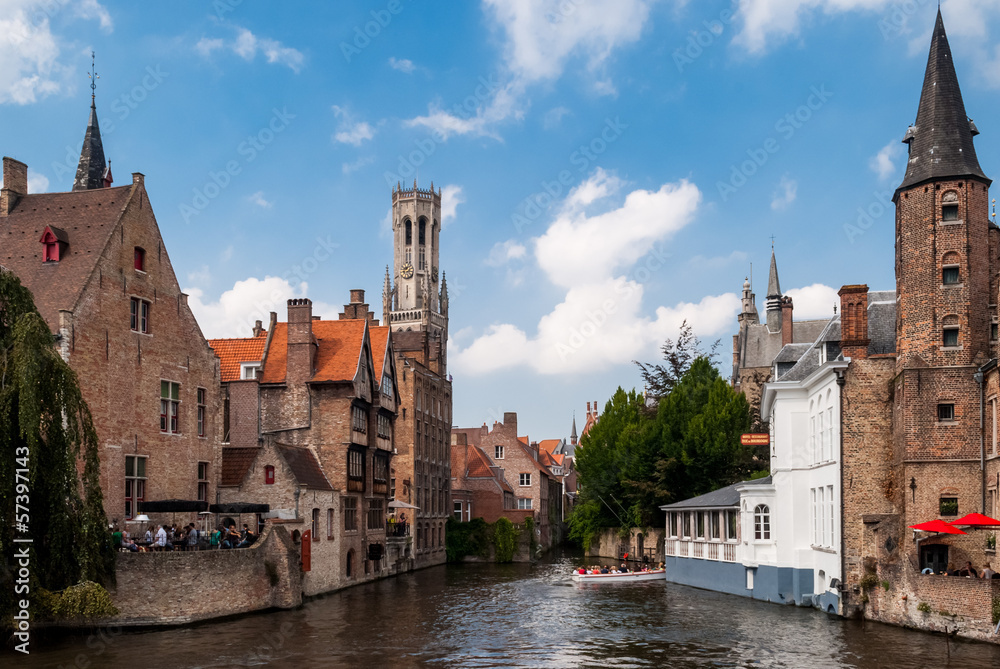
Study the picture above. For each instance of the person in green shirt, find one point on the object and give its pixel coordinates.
(116, 538)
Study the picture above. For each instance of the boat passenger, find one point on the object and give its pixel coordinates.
(604, 570)
(582, 570)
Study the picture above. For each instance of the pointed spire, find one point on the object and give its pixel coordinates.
(444, 294)
(572, 434)
(90, 172)
(386, 297)
(773, 287)
(941, 140)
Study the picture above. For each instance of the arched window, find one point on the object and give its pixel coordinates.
(949, 331)
(423, 232)
(409, 232)
(950, 269)
(762, 523)
(949, 206)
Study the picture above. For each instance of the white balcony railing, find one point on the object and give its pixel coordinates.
(704, 550)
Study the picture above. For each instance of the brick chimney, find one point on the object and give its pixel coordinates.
(358, 309)
(510, 422)
(301, 345)
(15, 184)
(854, 321)
(786, 320)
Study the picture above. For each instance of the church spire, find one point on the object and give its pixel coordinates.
(773, 297)
(572, 435)
(92, 169)
(940, 143)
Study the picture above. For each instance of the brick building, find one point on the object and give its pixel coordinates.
(415, 306)
(916, 417)
(101, 277)
(527, 484)
(322, 439)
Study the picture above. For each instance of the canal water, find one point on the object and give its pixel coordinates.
(518, 616)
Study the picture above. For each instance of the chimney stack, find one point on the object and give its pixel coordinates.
(301, 346)
(786, 320)
(854, 321)
(357, 309)
(15, 184)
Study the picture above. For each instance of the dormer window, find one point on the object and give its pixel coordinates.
(140, 259)
(54, 242)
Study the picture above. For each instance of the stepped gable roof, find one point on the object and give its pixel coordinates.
(940, 142)
(305, 467)
(236, 462)
(86, 217)
(717, 499)
(232, 352)
(338, 351)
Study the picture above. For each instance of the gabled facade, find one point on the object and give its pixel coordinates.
(101, 277)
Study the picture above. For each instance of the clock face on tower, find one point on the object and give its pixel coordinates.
(406, 271)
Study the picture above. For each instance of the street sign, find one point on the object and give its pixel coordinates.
(755, 439)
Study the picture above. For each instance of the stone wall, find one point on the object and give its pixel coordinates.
(609, 543)
(956, 605)
(175, 588)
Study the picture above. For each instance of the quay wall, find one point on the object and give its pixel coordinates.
(177, 587)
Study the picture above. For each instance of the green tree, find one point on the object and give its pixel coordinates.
(48, 457)
(678, 354)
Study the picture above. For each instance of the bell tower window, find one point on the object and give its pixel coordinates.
(409, 232)
(423, 231)
(949, 206)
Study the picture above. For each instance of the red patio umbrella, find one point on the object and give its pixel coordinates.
(938, 526)
(977, 520)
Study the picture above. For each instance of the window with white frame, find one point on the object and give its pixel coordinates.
(498, 452)
(523, 503)
(139, 316)
(524, 479)
(822, 436)
(135, 483)
(457, 512)
(713, 525)
(673, 524)
(762, 523)
(829, 430)
(170, 402)
(249, 370)
(830, 526)
(731, 527)
(686, 525)
(700, 525)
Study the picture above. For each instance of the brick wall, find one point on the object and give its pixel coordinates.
(121, 370)
(182, 587)
(609, 543)
(243, 412)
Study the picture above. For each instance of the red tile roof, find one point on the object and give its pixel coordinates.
(337, 356)
(549, 445)
(479, 464)
(236, 462)
(542, 468)
(87, 217)
(304, 467)
(232, 352)
(379, 336)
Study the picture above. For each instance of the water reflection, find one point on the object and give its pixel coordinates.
(523, 616)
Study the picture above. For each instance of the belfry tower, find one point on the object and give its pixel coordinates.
(944, 239)
(415, 297)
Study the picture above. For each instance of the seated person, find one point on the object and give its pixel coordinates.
(604, 570)
(582, 570)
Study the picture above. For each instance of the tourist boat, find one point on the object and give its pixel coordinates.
(622, 577)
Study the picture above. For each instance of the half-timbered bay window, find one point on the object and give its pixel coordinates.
(356, 469)
(359, 419)
(170, 401)
(380, 473)
(384, 426)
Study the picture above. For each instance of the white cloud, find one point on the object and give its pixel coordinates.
(554, 116)
(37, 183)
(363, 161)
(402, 64)
(200, 277)
(602, 259)
(451, 197)
(385, 226)
(815, 301)
(885, 162)
(258, 199)
(577, 247)
(767, 22)
(350, 131)
(542, 36)
(246, 45)
(717, 261)
(30, 68)
(249, 300)
(504, 252)
(785, 194)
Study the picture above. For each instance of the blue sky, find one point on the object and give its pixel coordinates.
(610, 167)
